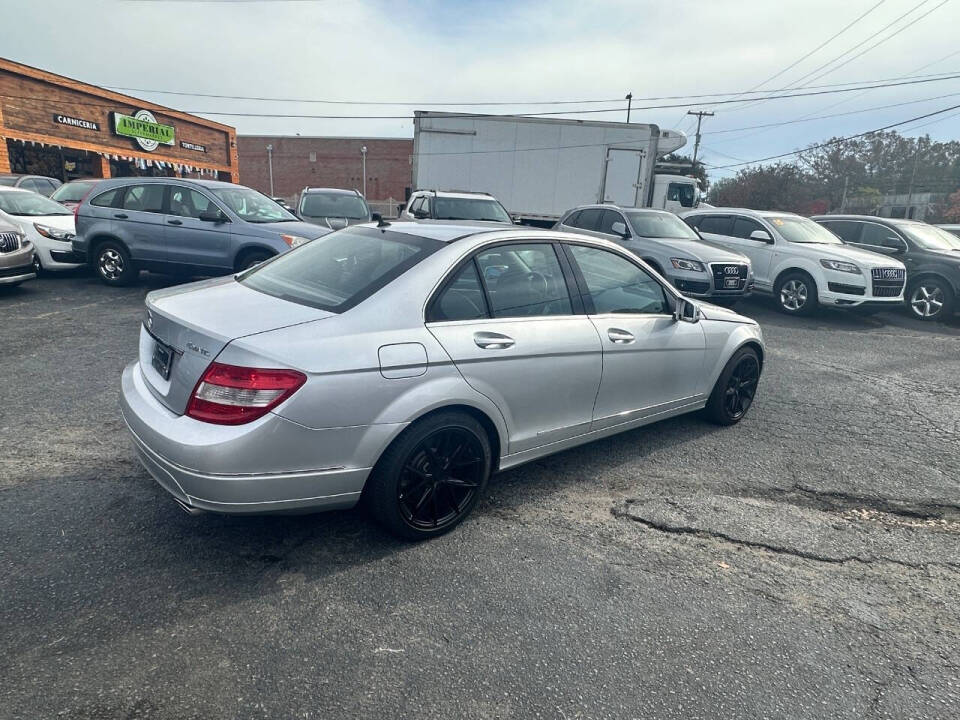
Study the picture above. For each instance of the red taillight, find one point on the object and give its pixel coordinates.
(233, 395)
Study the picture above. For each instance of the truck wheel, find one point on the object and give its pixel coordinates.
(796, 293)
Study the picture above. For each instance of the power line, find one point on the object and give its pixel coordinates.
(837, 141)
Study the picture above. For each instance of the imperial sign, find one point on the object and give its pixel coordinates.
(144, 129)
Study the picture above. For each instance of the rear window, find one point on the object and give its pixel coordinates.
(469, 209)
(339, 270)
(335, 205)
(72, 192)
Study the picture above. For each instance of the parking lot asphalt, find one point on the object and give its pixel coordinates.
(803, 564)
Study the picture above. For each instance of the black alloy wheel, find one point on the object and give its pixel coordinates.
(431, 477)
(735, 389)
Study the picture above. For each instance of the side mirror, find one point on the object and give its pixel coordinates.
(761, 235)
(214, 216)
(686, 311)
(620, 229)
(376, 217)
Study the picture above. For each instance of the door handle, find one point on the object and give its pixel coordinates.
(492, 341)
(619, 336)
(122, 216)
(175, 222)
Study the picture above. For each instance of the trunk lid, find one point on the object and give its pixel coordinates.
(194, 322)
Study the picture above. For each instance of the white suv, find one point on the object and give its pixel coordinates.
(454, 205)
(800, 262)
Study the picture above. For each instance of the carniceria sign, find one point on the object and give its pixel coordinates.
(144, 129)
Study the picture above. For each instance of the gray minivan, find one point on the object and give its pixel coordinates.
(181, 227)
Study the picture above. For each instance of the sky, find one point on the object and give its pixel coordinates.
(416, 52)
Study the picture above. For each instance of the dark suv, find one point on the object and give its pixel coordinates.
(182, 227)
(932, 257)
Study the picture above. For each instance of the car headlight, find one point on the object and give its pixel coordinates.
(689, 265)
(294, 240)
(53, 233)
(840, 266)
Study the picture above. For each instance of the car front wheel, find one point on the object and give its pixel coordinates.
(735, 389)
(930, 299)
(796, 294)
(431, 477)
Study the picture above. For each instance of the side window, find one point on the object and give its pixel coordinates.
(742, 227)
(880, 236)
(607, 220)
(716, 224)
(461, 299)
(45, 186)
(415, 204)
(524, 280)
(144, 198)
(847, 230)
(693, 221)
(589, 219)
(189, 203)
(616, 285)
(572, 220)
(425, 205)
(31, 184)
(107, 199)
(681, 193)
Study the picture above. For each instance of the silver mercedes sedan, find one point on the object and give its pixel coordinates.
(401, 364)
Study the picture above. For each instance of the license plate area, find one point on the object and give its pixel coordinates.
(162, 358)
(731, 282)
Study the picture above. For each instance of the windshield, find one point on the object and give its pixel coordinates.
(930, 238)
(72, 191)
(469, 209)
(802, 230)
(338, 270)
(14, 202)
(322, 205)
(253, 206)
(660, 225)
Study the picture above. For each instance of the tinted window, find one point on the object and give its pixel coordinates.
(607, 220)
(447, 208)
(144, 198)
(616, 285)
(880, 236)
(337, 205)
(742, 227)
(31, 184)
(524, 280)
(589, 219)
(682, 193)
(45, 186)
(462, 298)
(107, 199)
(717, 224)
(338, 270)
(572, 220)
(847, 230)
(189, 203)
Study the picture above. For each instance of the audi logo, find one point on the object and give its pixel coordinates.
(731, 270)
(892, 273)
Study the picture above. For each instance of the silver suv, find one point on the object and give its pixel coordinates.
(670, 247)
(454, 205)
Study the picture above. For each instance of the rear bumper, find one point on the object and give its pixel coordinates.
(269, 465)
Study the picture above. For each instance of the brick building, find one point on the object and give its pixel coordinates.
(300, 162)
(55, 126)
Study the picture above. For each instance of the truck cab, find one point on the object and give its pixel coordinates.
(676, 193)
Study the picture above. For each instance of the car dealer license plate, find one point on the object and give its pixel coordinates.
(162, 359)
(731, 282)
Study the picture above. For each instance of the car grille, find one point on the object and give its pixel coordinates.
(721, 271)
(888, 282)
(9, 242)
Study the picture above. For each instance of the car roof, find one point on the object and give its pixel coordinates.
(7, 188)
(332, 191)
(455, 193)
(447, 230)
(621, 208)
(211, 184)
(870, 218)
(745, 211)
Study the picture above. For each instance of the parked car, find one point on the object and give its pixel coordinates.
(800, 262)
(931, 255)
(669, 246)
(16, 255)
(47, 224)
(282, 203)
(183, 227)
(70, 194)
(333, 208)
(451, 205)
(952, 229)
(392, 361)
(36, 183)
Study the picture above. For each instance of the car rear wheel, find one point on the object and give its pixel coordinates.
(431, 477)
(930, 299)
(113, 265)
(796, 294)
(735, 389)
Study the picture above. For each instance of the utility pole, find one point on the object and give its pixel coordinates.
(843, 200)
(913, 175)
(701, 114)
(363, 155)
(629, 99)
(270, 164)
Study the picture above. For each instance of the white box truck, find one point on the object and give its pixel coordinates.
(538, 168)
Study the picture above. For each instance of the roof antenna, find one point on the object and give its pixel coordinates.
(381, 223)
